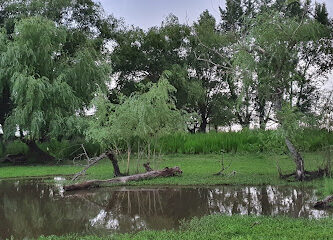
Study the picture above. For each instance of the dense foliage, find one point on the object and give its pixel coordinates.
(76, 82)
(263, 63)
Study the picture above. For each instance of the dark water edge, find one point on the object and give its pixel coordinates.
(30, 208)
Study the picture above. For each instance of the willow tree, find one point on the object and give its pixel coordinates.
(141, 117)
(85, 21)
(49, 89)
(275, 52)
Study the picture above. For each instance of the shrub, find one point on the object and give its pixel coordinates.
(15, 147)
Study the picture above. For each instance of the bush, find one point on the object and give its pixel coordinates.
(15, 147)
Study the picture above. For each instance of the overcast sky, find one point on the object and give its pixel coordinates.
(149, 13)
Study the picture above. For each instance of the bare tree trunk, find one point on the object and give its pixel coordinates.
(147, 167)
(114, 161)
(203, 124)
(2, 144)
(138, 158)
(110, 155)
(38, 154)
(262, 122)
(5, 104)
(300, 172)
(148, 151)
(128, 158)
(166, 172)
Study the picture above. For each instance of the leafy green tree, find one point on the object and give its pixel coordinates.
(5, 103)
(212, 63)
(222, 112)
(81, 15)
(141, 117)
(275, 44)
(321, 14)
(232, 15)
(84, 20)
(48, 88)
(203, 66)
(140, 55)
(251, 103)
(143, 56)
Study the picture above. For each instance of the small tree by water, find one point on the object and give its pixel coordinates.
(140, 118)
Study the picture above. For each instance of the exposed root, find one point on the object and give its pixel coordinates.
(325, 203)
(309, 175)
(16, 159)
(147, 167)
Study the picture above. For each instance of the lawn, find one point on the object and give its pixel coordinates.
(235, 227)
(252, 168)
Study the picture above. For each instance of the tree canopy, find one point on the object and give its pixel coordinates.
(59, 59)
(48, 87)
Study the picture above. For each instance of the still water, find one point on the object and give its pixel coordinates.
(30, 208)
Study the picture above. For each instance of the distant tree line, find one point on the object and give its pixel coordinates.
(233, 71)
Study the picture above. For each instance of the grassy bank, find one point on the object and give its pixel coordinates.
(234, 227)
(252, 168)
(246, 141)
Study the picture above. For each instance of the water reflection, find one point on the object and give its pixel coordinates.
(31, 208)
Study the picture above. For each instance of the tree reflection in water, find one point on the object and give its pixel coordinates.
(32, 208)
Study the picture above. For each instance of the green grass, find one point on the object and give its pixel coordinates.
(36, 171)
(15, 147)
(243, 141)
(246, 141)
(235, 227)
(327, 187)
(252, 168)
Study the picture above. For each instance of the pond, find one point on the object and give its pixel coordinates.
(30, 208)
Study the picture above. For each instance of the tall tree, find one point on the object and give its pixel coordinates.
(277, 42)
(232, 15)
(321, 14)
(252, 103)
(48, 87)
(142, 117)
(142, 56)
(84, 20)
(208, 66)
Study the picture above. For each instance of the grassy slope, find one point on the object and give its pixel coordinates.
(198, 169)
(235, 227)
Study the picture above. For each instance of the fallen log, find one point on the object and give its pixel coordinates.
(88, 166)
(325, 203)
(108, 154)
(166, 172)
(16, 159)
